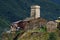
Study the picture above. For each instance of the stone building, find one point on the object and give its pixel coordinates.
(35, 11)
(34, 21)
(28, 24)
(51, 26)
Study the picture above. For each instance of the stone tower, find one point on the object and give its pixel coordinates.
(35, 11)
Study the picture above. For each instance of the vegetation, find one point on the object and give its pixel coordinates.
(34, 34)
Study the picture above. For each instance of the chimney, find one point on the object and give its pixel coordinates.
(35, 11)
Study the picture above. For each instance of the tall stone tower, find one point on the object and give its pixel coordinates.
(35, 11)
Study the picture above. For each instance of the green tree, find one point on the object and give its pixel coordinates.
(52, 36)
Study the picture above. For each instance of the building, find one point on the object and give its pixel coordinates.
(35, 11)
(51, 26)
(34, 21)
(28, 24)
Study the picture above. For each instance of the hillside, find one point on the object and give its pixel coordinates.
(55, 1)
(13, 10)
(34, 34)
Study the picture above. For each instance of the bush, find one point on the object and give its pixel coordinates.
(52, 36)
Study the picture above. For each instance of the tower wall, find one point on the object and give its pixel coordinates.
(35, 11)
